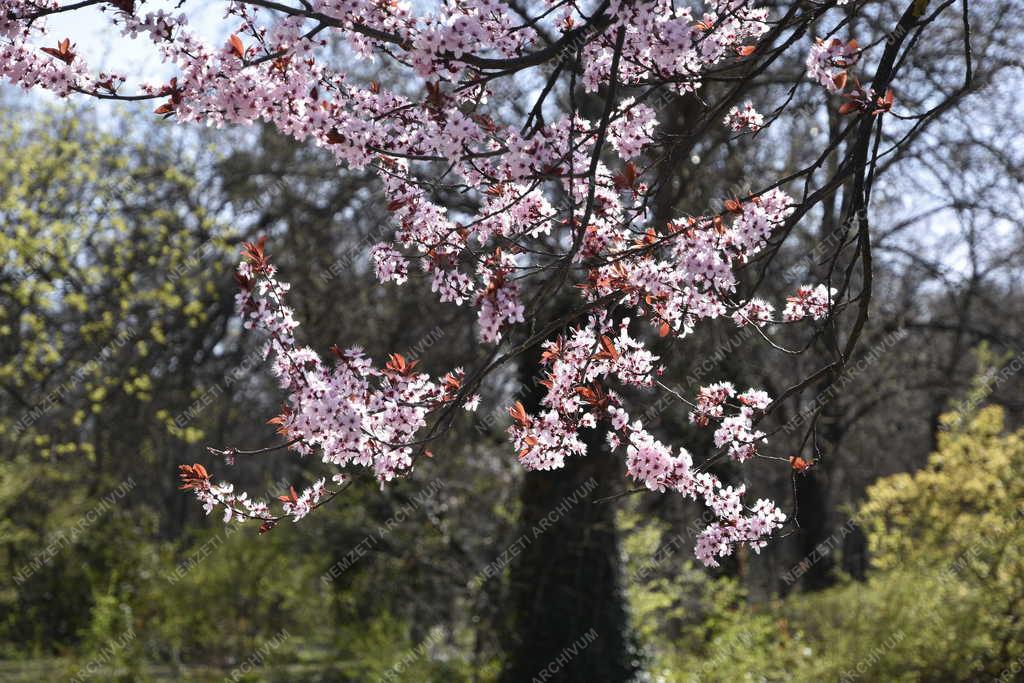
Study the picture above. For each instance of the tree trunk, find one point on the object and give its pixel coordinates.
(566, 610)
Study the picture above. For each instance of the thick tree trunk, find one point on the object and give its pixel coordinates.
(816, 542)
(567, 615)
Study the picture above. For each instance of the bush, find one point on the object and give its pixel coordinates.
(942, 604)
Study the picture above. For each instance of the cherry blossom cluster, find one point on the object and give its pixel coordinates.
(663, 41)
(559, 195)
(351, 412)
(688, 274)
(629, 133)
(348, 411)
(240, 507)
(499, 304)
(754, 312)
(814, 302)
(654, 464)
(736, 432)
(744, 118)
(271, 71)
(575, 366)
(579, 366)
(57, 68)
(828, 62)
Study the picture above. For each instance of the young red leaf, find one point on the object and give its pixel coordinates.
(236, 46)
(798, 463)
(849, 108)
(609, 348)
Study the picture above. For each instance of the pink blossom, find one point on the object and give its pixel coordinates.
(828, 61)
(809, 301)
(443, 128)
(745, 117)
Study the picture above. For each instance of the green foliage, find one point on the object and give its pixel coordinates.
(119, 358)
(695, 627)
(214, 598)
(99, 238)
(943, 603)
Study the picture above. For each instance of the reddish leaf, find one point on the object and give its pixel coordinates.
(255, 253)
(435, 96)
(107, 85)
(244, 283)
(452, 383)
(884, 103)
(396, 363)
(62, 51)
(798, 463)
(609, 348)
(586, 393)
(552, 353)
(292, 496)
(518, 413)
(594, 396)
(627, 179)
(848, 108)
(193, 477)
(236, 46)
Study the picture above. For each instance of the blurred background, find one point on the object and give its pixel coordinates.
(121, 358)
